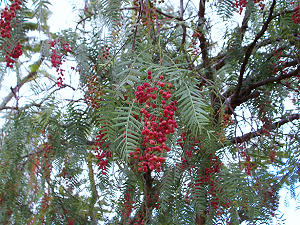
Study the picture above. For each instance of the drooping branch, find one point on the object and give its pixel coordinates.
(259, 132)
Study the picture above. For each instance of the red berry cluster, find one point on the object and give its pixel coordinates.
(209, 172)
(226, 118)
(241, 4)
(279, 64)
(139, 221)
(266, 128)
(117, 28)
(102, 152)
(158, 118)
(195, 37)
(147, 12)
(47, 157)
(104, 52)
(156, 201)
(226, 121)
(248, 164)
(45, 202)
(180, 142)
(153, 200)
(7, 15)
(57, 58)
(260, 4)
(209, 179)
(128, 205)
(269, 195)
(34, 170)
(272, 155)
(94, 93)
(264, 118)
(296, 15)
(188, 154)
(15, 53)
(1, 199)
(71, 221)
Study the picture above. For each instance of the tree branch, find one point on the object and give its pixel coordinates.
(220, 59)
(202, 38)
(274, 79)
(168, 16)
(93, 187)
(245, 21)
(183, 25)
(144, 212)
(15, 89)
(157, 10)
(248, 93)
(259, 132)
(21, 108)
(26, 79)
(250, 49)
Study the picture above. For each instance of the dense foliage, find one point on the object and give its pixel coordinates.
(185, 112)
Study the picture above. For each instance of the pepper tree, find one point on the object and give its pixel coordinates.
(185, 112)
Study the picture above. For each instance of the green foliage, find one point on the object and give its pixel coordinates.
(69, 154)
(193, 111)
(128, 128)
